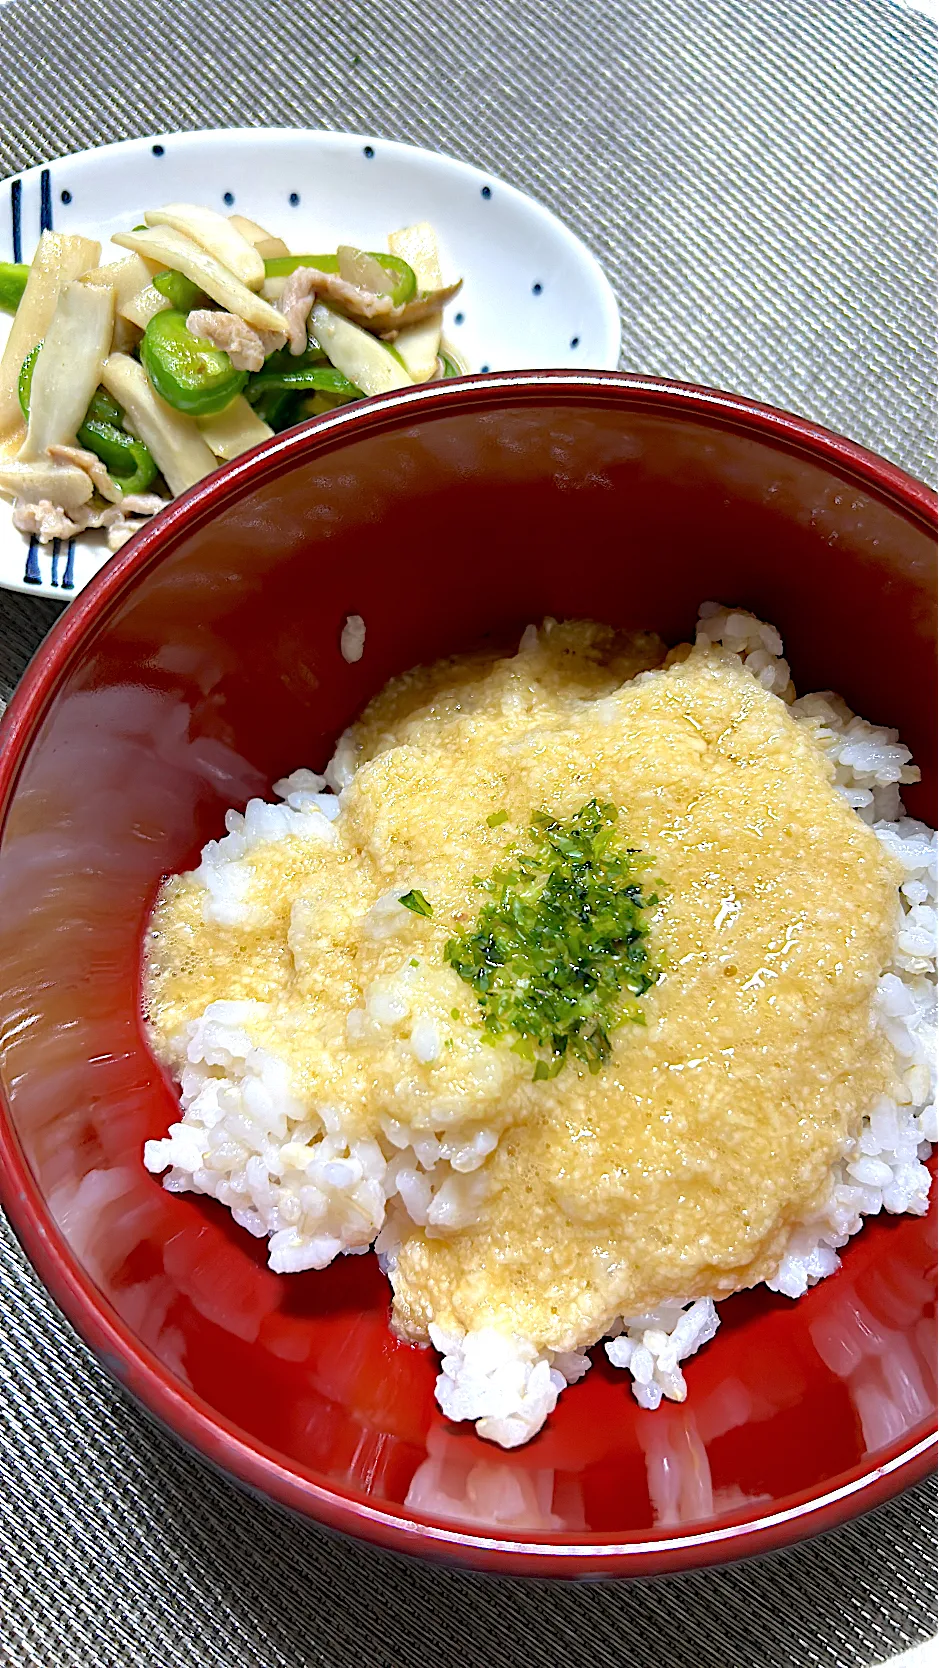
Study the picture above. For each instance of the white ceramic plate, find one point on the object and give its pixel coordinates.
(532, 296)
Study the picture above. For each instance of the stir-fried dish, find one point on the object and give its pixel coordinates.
(124, 384)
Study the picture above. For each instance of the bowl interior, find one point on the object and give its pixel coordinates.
(214, 669)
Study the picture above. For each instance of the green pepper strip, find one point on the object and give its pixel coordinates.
(13, 276)
(187, 371)
(128, 460)
(25, 379)
(284, 360)
(314, 405)
(281, 266)
(104, 410)
(275, 366)
(276, 408)
(276, 391)
(179, 290)
(406, 286)
(308, 379)
(450, 367)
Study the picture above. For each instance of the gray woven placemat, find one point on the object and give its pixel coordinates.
(756, 179)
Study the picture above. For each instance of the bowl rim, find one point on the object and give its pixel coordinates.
(136, 1368)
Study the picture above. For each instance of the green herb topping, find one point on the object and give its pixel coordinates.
(497, 819)
(417, 903)
(558, 957)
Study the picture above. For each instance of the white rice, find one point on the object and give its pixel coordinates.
(651, 1346)
(502, 1382)
(352, 641)
(286, 1172)
(222, 871)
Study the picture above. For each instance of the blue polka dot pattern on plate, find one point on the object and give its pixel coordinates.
(575, 341)
(369, 151)
(229, 198)
(458, 318)
(486, 192)
(157, 150)
(66, 196)
(536, 289)
(294, 198)
(484, 367)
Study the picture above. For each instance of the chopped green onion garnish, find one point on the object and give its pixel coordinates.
(417, 903)
(558, 957)
(497, 819)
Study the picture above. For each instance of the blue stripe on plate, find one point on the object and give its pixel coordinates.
(45, 201)
(32, 576)
(68, 578)
(16, 217)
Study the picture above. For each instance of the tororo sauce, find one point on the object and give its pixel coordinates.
(680, 1167)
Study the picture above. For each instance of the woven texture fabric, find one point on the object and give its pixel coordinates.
(756, 179)
(120, 1549)
(755, 175)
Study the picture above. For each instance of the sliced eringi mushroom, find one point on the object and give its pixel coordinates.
(174, 440)
(234, 430)
(58, 259)
(419, 343)
(217, 234)
(267, 246)
(63, 485)
(183, 254)
(68, 368)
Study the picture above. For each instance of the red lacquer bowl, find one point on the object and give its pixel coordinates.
(203, 663)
